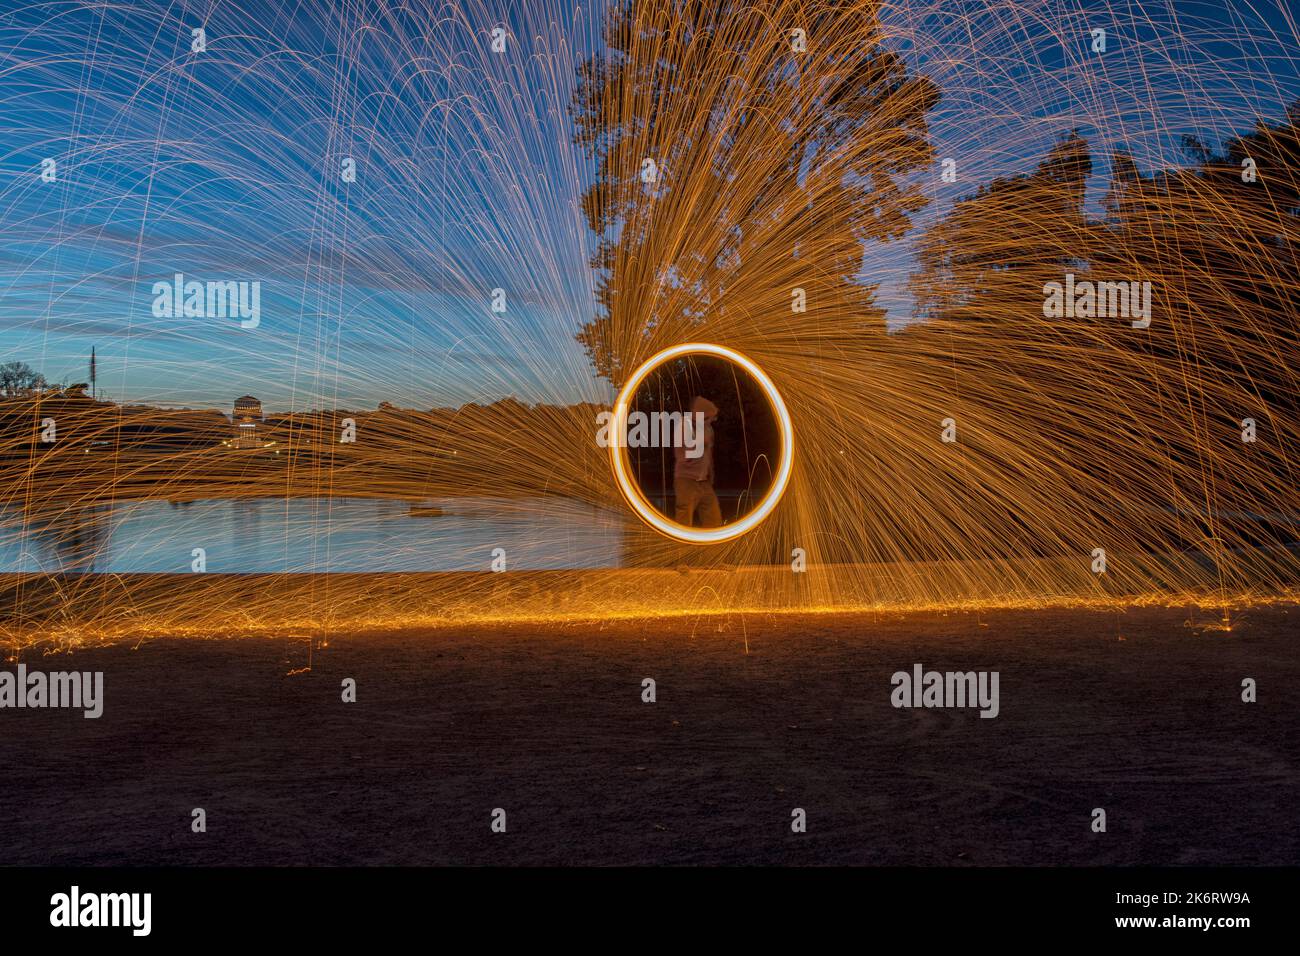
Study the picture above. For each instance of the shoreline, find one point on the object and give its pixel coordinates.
(76, 610)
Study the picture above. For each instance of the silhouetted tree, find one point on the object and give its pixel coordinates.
(988, 259)
(1217, 242)
(18, 380)
(734, 165)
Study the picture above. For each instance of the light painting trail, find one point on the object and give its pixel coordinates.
(631, 491)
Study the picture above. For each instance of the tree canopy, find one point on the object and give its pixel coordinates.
(742, 152)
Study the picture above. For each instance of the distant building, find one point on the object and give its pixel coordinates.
(247, 418)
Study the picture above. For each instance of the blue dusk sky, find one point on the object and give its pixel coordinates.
(226, 164)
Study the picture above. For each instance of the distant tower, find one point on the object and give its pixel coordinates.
(93, 393)
(248, 415)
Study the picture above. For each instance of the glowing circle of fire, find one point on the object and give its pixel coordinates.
(632, 492)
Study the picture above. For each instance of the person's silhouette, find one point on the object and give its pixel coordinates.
(693, 477)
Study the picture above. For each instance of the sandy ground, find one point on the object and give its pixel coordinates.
(1137, 712)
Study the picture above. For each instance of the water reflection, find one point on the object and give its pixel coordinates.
(274, 535)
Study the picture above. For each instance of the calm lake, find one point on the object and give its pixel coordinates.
(279, 535)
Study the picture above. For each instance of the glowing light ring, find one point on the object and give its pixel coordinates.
(628, 486)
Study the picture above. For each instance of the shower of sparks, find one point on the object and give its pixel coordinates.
(630, 177)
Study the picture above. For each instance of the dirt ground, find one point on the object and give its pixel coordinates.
(1136, 712)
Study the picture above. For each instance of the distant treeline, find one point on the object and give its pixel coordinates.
(56, 447)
